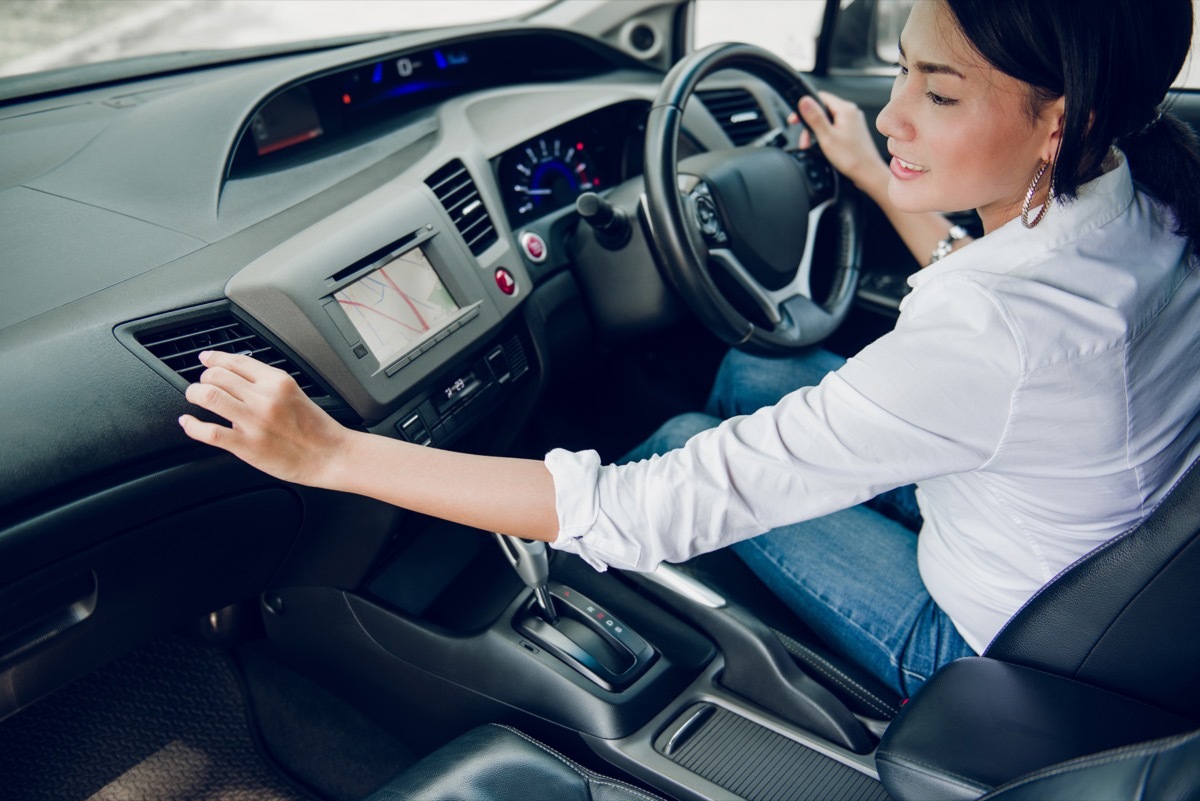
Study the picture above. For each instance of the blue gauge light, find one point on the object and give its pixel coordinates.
(539, 175)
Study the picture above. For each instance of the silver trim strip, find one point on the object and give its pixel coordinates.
(680, 583)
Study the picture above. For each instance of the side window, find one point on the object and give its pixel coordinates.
(1189, 76)
(867, 32)
(788, 29)
(867, 35)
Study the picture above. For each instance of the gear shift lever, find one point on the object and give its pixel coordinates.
(529, 559)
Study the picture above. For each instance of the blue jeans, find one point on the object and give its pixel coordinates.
(852, 575)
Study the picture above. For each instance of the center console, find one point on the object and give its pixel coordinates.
(422, 338)
(386, 302)
(615, 668)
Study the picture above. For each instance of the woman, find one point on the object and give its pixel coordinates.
(1040, 387)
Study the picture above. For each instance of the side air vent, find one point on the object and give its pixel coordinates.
(738, 113)
(178, 344)
(454, 188)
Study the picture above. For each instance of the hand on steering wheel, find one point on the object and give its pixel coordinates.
(754, 213)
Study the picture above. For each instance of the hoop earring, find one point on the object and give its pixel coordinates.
(1029, 198)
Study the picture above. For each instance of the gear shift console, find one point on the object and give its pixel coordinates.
(589, 639)
(573, 627)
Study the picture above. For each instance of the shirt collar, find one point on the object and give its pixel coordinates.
(1097, 203)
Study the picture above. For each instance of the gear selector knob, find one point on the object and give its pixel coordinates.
(529, 559)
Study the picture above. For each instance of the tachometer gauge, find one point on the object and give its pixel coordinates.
(546, 174)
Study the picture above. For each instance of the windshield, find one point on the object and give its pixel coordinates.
(39, 35)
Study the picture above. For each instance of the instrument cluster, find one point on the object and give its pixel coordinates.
(590, 154)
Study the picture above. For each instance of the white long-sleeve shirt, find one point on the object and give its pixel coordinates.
(1041, 387)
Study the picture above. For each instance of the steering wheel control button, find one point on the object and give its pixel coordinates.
(505, 280)
(707, 218)
(534, 247)
(820, 175)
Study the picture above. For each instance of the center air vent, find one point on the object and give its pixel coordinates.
(454, 188)
(176, 341)
(738, 113)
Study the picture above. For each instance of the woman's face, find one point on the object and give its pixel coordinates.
(959, 130)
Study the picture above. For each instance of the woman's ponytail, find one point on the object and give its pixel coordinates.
(1164, 157)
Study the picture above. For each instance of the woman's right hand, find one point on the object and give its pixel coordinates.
(844, 138)
(275, 426)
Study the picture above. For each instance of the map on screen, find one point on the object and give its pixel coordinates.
(398, 305)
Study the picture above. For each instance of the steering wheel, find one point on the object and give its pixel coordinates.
(753, 213)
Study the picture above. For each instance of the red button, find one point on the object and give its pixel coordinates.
(506, 282)
(535, 247)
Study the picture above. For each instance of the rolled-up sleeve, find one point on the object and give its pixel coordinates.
(576, 499)
(929, 399)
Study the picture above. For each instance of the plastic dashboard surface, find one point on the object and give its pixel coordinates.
(118, 205)
(125, 202)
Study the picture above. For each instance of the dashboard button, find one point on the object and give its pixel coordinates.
(534, 247)
(395, 368)
(505, 280)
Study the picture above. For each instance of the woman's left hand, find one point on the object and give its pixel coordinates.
(844, 138)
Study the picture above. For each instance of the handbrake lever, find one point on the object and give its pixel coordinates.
(530, 560)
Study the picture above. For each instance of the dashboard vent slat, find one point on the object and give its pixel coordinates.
(738, 112)
(179, 345)
(454, 188)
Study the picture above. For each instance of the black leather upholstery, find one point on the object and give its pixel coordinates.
(496, 763)
(979, 723)
(1127, 615)
(1156, 771)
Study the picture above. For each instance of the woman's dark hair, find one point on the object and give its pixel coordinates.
(1114, 61)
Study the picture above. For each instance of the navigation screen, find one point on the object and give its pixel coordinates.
(398, 305)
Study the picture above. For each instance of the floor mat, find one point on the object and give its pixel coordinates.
(166, 723)
(314, 735)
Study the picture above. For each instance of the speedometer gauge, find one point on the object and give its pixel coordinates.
(548, 174)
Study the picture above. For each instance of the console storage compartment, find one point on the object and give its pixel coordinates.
(753, 762)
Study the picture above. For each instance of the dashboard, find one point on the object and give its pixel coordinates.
(357, 216)
(352, 103)
(354, 215)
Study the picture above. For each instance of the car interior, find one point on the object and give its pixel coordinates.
(500, 239)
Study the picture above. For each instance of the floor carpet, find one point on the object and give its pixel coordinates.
(166, 723)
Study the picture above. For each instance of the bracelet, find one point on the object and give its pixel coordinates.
(944, 247)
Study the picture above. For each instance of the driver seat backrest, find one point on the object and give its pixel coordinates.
(1126, 616)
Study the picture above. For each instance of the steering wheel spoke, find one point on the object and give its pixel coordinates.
(764, 299)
